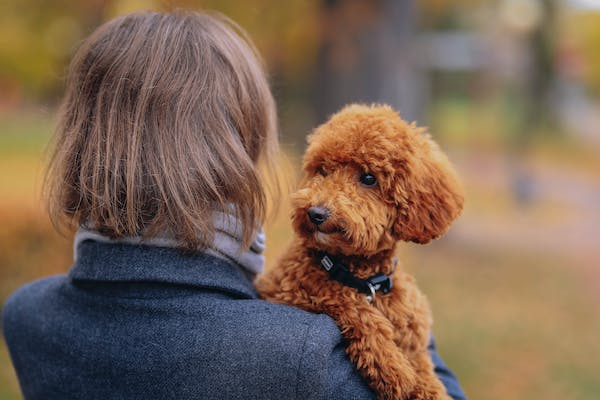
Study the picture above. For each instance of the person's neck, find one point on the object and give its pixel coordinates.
(227, 243)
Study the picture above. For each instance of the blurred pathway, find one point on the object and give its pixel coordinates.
(562, 217)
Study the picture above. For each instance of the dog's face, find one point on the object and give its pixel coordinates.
(370, 180)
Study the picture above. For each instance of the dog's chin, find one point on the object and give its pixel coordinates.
(337, 242)
(330, 237)
(323, 238)
(331, 242)
(328, 242)
(319, 238)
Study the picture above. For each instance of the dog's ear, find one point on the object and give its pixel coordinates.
(427, 193)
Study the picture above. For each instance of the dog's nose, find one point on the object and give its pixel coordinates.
(318, 215)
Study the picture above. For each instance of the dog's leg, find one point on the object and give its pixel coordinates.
(428, 386)
(372, 349)
(408, 311)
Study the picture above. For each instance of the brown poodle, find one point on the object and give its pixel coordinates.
(371, 180)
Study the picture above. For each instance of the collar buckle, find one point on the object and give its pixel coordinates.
(371, 296)
(381, 282)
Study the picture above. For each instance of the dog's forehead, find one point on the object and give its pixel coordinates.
(367, 139)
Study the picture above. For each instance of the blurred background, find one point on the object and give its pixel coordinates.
(509, 88)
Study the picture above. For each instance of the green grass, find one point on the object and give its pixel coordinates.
(9, 388)
(511, 325)
(23, 141)
(24, 134)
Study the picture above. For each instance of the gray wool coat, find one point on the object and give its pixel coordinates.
(141, 322)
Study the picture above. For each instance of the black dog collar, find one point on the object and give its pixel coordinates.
(338, 272)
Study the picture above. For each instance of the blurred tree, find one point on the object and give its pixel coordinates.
(366, 55)
(36, 39)
(585, 28)
(446, 14)
(534, 24)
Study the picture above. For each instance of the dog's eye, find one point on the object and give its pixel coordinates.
(368, 180)
(321, 171)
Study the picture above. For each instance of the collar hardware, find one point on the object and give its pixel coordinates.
(338, 272)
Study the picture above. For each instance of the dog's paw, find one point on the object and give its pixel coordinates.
(395, 384)
(423, 392)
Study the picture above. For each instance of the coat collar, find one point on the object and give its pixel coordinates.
(121, 262)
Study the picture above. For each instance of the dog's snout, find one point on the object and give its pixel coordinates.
(318, 215)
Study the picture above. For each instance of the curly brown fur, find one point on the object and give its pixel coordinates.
(416, 197)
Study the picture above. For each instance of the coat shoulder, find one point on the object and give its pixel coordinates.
(314, 343)
(273, 350)
(29, 300)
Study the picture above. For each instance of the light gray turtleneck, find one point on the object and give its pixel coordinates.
(227, 243)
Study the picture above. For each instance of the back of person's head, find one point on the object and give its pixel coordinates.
(165, 119)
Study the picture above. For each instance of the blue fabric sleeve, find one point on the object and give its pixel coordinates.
(445, 375)
(325, 371)
(344, 381)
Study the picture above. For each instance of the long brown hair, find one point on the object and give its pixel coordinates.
(166, 119)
